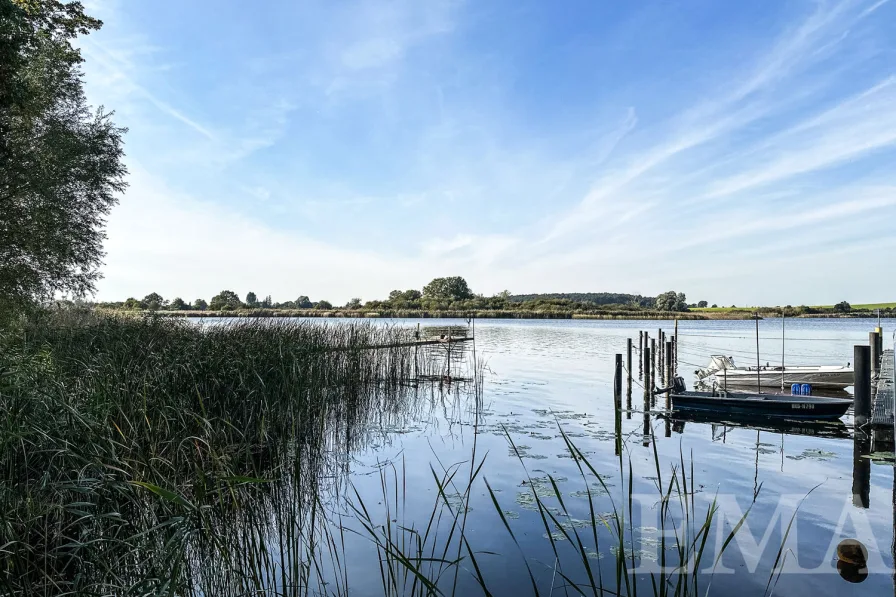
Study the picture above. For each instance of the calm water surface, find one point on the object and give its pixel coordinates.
(543, 374)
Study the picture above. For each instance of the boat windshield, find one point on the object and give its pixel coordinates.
(719, 362)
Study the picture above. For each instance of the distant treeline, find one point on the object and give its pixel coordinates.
(451, 294)
(593, 298)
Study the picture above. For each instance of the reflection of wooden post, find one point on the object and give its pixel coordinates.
(861, 470)
(617, 404)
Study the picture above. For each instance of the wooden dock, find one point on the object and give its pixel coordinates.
(883, 406)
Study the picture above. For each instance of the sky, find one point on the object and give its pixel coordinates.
(740, 152)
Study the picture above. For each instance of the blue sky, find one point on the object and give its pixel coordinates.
(744, 153)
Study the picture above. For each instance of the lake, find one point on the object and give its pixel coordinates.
(540, 376)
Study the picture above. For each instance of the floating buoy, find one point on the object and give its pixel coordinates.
(852, 552)
(852, 561)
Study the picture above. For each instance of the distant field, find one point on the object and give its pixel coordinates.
(875, 306)
(723, 309)
(862, 306)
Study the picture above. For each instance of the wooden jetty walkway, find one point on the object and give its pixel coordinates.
(884, 403)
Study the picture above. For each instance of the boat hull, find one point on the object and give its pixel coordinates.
(761, 405)
(830, 380)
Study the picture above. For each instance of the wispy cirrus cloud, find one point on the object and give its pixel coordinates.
(451, 139)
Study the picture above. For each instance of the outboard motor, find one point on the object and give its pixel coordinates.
(678, 385)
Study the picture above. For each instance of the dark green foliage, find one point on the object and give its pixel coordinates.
(60, 162)
(593, 298)
(842, 307)
(303, 302)
(354, 303)
(133, 304)
(251, 299)
(702, 304)
(672, 301)
(453, 288)
(200, 305)
(226, 300)
(154, 301)
(323, 305)
(178, 304)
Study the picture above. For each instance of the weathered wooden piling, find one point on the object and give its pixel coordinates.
(641, 354)
(617, 383)
(668, 382)
(674, 355)
(675, 339)
(653, 360)
(647, 382)
(628, 364)
(662, 342)
(874, 344)
(862, 385)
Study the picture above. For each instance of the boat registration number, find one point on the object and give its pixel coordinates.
(802, 406)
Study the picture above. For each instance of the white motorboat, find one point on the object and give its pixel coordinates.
(726, 373)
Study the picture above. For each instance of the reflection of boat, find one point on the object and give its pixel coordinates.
(832, 428)
(755, 404)
(818, 376)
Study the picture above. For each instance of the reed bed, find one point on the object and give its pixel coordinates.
(119, 435)
(153, 456)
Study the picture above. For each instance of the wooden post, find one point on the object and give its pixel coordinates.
(628, 364)
(675, 338)
(617, 383)
(662, 357)
(641, 354)
(668, 375)
(875, 355)
(674, 357)
(653, 370)
(646, 378)
(862, 385)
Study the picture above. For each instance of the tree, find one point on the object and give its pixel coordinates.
(251, 299)
(702, 304)
(303, 302)
(132, 304)
(226, 300)
(60, 162)
(153, 301)
(267, 303)
(411, 295)
(354, 303)
(672, 301)
(178, 304)
(200, 305)
(715, 306)
(323, 305)
(453, 288)
(842, 307)
(395, 295)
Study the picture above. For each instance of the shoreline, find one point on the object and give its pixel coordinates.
(624, 316)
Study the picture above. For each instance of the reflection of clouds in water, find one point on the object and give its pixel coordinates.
(545, 372)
